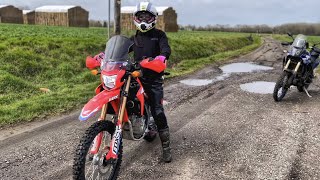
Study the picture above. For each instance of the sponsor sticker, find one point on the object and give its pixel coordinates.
(113, 98)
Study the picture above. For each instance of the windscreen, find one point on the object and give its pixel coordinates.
(117, 50)
(300, 41)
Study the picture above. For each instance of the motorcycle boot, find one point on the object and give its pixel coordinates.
(152, 131)
(165, 142)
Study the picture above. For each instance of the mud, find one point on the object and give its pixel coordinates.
(218, 131)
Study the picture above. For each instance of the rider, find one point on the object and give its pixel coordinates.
(150, 42)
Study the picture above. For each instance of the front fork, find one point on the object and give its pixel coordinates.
(116, 139)
(98, 139)
(117, 136)
(294, 73)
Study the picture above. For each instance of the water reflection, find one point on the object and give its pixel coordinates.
(260, 87)
(196, 82)
(243, 67)
(227, 71)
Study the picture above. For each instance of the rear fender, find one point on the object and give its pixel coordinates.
(96, 103)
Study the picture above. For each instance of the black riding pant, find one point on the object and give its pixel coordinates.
(154, 91)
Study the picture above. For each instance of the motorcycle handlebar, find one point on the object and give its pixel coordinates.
(317, 50)
(314, 45)
(286, 43)
(135, 66)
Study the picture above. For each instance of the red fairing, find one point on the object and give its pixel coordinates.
(155, 65)
(140, 96)
(99, 89)
(96, 103)
(92, 63)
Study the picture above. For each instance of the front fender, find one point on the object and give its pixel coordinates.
(96, 103)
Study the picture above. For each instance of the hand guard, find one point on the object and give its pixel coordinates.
(157, 64)
(94, 62)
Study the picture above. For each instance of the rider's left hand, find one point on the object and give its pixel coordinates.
(160, 58)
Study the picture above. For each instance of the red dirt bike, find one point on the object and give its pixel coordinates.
(124, 113)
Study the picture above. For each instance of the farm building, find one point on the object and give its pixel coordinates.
(167, 18)
(10, 14)
(71, 16)
(28, 17)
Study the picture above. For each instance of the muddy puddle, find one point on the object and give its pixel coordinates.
(243, 68)
(227, 70)
(259, 87)
(196, 82)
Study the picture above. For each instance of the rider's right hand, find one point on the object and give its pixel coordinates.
(99, 57)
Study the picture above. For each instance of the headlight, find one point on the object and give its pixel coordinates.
(298, 52)
(109, 81)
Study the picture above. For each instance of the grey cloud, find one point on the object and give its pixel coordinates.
(204, 12)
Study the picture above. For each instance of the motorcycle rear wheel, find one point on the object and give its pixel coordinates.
(280, 88)
(87, 166)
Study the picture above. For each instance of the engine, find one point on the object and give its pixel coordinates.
(138, 125)
(138, 122)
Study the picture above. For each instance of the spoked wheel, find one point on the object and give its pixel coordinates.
(89, 166)
(281, 88)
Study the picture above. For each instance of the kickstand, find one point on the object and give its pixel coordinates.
(305, 90)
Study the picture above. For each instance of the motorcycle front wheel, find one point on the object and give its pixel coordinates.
(281, 87)
(88, 166)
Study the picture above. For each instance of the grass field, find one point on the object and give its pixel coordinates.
(34, 57)
(285, 38)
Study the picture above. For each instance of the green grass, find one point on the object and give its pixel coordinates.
(206, 48)
(285, 38)
(34, 57)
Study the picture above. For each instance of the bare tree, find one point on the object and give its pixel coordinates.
(295, 28)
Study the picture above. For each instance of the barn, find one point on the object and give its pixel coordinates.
(71, 16)
(167, 19)
(28, 16)
(10, 14)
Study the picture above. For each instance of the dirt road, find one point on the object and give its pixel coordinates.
(218, 130)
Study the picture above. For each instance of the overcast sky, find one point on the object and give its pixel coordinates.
(204, 12)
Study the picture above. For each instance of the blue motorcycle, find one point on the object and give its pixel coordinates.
(298, 65)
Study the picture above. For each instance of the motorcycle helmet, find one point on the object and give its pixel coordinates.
(145, 16)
